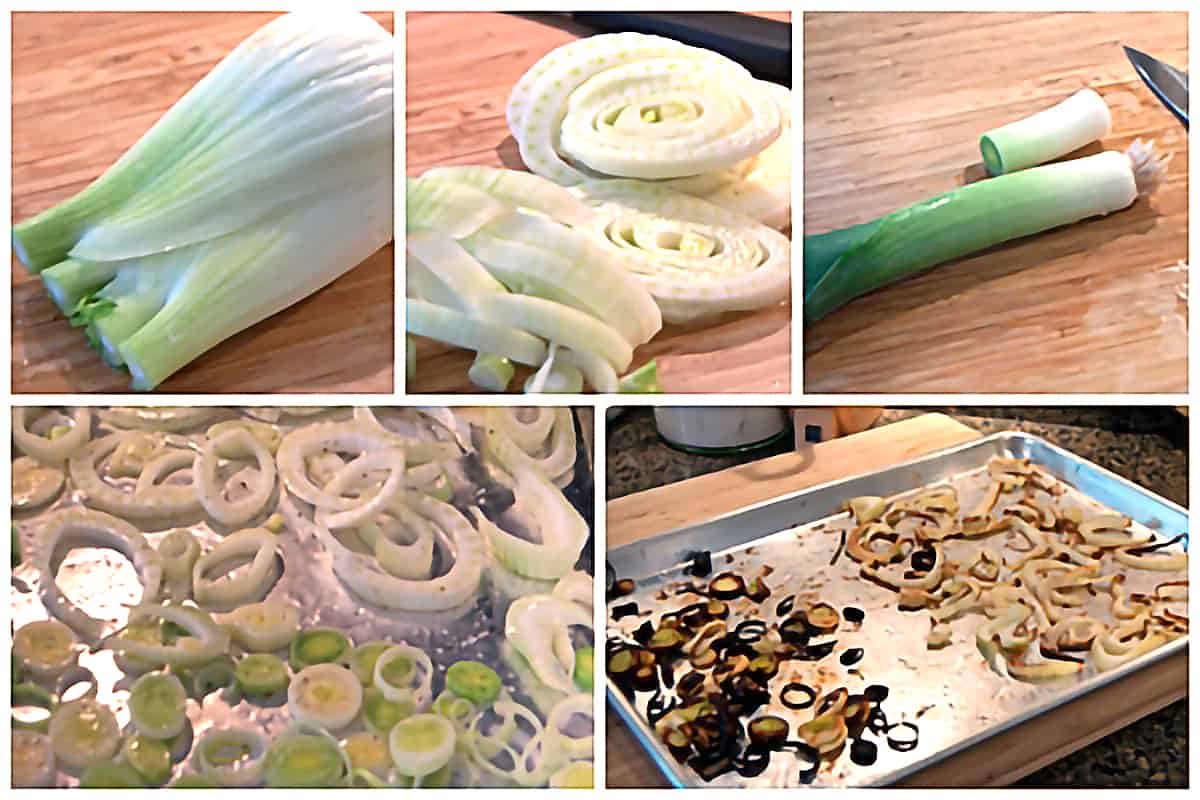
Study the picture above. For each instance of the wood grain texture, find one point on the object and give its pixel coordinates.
(85, 87)
(894, 107)
(460, 70)
(997, 761)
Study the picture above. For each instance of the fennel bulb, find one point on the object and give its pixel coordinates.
(270, 178)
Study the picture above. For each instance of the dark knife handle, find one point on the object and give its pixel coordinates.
(760, 44)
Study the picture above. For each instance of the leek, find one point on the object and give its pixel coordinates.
(843, 264)
(266, 181)
(1081, 118)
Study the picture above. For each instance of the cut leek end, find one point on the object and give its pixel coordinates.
(991, 156)
(491, 373)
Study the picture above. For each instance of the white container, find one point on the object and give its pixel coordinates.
(720, 428)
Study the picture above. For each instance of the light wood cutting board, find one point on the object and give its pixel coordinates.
(461, 68)
(998, 761)
(85, 87)
(894, 107)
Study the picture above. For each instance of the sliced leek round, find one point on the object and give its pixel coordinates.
(363, 658)
(575, 775)
(368, 751)
(34, 484)
(46, 648)
(538, 627)
(381, 714)
(264, 627)
(325, 695)
(110, 775)
(206, 640)
(475, 681)
(232, 756)
(317, 646)
(158, 705)
(149, 500)
(32, 760)
(84, 733)
(261, 673)
(404, 674)
(305, 758)
(421, 744)
(150, 758)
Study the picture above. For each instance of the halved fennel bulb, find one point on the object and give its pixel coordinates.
(697, 259)
(268, 180)
(636, 106)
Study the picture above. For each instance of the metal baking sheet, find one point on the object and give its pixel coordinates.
(103, 583)
(951, 693)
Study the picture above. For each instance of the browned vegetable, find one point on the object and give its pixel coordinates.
(727, 586)
(666, 640)
(822, 618)
(758, 590)
(730, 667)
(703, 659)
(769, 733)
(717, 609)
(690, 684)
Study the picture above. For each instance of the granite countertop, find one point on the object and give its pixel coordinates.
(1146, 445)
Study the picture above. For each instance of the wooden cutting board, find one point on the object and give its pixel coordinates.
(894, 107)
(85, 87)
(998, 761)
(461, 68)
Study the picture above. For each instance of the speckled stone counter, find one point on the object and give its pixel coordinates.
(1145, 445)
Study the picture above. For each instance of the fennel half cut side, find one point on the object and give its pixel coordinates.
(843, 264)
(269, 179)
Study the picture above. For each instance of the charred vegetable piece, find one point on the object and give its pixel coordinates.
(731, 667)
(621, 664)
(701, 565)
(798, 696)
(851, 656)
(666, 640)
(752, 762)
(764, 667)
(727, 586)
(768, 733)
(876, 693)
(853, 615)
(902, 736)
(822, 618)
(690, 684)
(716, 609)
(622, 587)
(625, 610)
(863, 752)
(678, 743)
(785, 606)
(704, 658)
(758, 591)
(645, 679)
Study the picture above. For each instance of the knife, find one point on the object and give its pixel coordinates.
(760, 44)
(1168, 84)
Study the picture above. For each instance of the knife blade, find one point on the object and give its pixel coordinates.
(1168, 84)
(760, 44)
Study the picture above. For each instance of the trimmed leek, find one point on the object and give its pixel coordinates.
(843, 264)
(1080, 119)
(157, 705)
(269, 179)
(325, 695)
(84, 733)
(637, 106)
